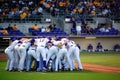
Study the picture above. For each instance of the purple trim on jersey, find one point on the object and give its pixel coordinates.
(44, 64)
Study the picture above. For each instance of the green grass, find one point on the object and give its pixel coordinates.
(108, 59)
(97, 58)
(84, 75)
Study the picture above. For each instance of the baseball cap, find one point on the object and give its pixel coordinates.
(33, 40)
(49, 38)
(13, 39)
(20, 42)
(58, 38)
(49, 41)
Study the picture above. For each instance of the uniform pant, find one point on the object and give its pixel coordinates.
(31, 54)
(10, 62)
(62, 53)
(22, 54)
(74, 54)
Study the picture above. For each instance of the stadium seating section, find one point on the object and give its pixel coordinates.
(36, 10)
(97, 32)
(56, 32)
(12, 33)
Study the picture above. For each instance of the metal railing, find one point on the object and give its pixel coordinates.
(42, 18)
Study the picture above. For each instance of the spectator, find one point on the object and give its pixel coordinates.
(50, 26)
(41, 1)
(102, 29)
(117, 48)
(47, 29)
(4, 31)
(99, 47)
(43, 29)
(105, 28)
(11, 14)
(31, 3)
(40, 11)
(53, 27)
(23, 16)
(47, 5)
(34, 12)
(105, 12)
(90, 48)
(29, 13)
(99, 26)
(93, 12)
(15, 27)
(78, 29)
(52, 10)
(85, 7)
(73, 23)
(96, 3)
(35, 27)
(9, 27)
(83, 21)
(89, 30)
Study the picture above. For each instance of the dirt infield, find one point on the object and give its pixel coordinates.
(3, 56)
(91, 67)
(100, 68)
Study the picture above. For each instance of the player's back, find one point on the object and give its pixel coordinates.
(71, 43)
(59, 44)
(41, 41)
(25, 43)
(65, 40)
(13, 44)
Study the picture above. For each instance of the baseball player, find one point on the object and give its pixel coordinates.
(74, 53)
(16, 54)
(62, 53)
(31, 54)
(41, 43)
(9, 51)
(22, 54)
(52, 53)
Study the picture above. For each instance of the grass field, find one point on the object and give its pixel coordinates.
(97, 58)
(106, 58)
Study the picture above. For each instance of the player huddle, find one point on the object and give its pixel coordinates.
(47, 53)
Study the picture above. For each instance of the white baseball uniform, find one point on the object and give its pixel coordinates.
(74, 53)
(41, 43)
(17, 58)
(22, 54)
(31, 54)
(62, 53)
(52, 53)
(9, 51)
